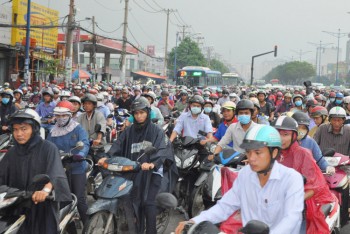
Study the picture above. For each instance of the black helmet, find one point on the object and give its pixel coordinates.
(286, 123)
(301, 118)
(140, 104)
(164, 93)
(245, 104)
(89, 98)
(196, 99)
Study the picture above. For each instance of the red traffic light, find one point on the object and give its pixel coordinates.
(275, 51)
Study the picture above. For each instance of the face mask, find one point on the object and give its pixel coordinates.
(206, 98)
(196, 110)
(298, 103)
(213, 101)
(244, 119)
(62, 121)
(338, 102)
(5, 100)
(35, 93)
(301, 134)
(225, 95)
(332, 99)
(208, 109)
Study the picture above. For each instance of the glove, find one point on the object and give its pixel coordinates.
(330, 170)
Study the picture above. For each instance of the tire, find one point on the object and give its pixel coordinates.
(336, 231)
(196, 203)
(97, 223)
(163, 219)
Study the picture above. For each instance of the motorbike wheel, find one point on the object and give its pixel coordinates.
(97, 223)
(163, 220)
(196, 203)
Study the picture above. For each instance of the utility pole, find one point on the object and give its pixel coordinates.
(184, 30)
(319, 47)
(300, 53)
(93, 50)
(26, 62)
(69, 43)
(166, 43)
(123, 55)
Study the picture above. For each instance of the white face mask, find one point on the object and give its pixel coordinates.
(62, 121)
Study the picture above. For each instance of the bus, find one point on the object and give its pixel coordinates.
(231, 79)
(195, 76)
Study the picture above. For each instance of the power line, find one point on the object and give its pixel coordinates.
(151, 6)
(153, 12)
(109, 31)
(132, 35)
(177, 18)
(105, 7)
(180, 17)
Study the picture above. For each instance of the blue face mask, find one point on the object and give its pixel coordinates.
(208, 109)
(5, 100)
(131, 119)
(338, 102)
(244, 119)
(35, 93)
(196, 110)
(298, 103)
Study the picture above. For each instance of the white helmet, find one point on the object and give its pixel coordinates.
(346, 100)
(65, 93)
(75, 99)
(26, 113)
(18, 91)
(338, 112)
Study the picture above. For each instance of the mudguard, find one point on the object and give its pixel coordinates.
(113, 187)
(202, 177)
(103, 205)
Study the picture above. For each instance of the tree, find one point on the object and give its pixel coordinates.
(217, 65)
(187, 54)
(292, 73)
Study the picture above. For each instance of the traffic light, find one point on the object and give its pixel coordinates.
(275, 51)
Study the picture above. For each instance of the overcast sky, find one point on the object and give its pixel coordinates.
(237, 29)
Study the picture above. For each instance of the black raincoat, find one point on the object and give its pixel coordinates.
(20, 165)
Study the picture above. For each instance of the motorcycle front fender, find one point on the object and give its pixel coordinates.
(109, 205)
(202, 177)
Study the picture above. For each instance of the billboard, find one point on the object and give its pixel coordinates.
(45, 38)
(5, 18)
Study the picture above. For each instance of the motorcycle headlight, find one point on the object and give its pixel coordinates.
(212, 148)
(178, 161)
(188, 162)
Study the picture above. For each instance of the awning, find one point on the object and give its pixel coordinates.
(148, 75)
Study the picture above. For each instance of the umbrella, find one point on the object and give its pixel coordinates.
(79, 73)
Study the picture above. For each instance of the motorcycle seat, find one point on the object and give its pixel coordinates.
(66, 209)
(326, 209)
(4, 138)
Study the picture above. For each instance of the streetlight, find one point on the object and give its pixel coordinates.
(319, 46)
(177, 36)
(337, 35)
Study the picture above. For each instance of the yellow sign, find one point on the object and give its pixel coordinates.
(46, 38)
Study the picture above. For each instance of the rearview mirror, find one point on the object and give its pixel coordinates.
(166, 200)
(79, 145)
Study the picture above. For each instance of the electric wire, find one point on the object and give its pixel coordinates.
(153, 12)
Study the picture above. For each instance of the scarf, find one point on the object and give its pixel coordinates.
(61, 131)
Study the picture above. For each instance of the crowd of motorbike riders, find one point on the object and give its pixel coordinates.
(276, 129)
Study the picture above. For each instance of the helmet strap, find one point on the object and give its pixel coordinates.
(272, 161)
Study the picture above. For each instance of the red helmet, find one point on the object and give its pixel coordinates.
(63, 107)
(318, 111)
(213, 96)
(93, 91)
(279, 94)
(303, 93)
(332, 95)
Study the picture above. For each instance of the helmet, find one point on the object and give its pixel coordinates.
(332, 95)
(311, 103)
(183, 92)
(244, 104)
(260, 136)
(337, 112)
(25, 114)
(55, 90)
(150, 94)
(346, 100)
(228, 105)
(99, 97)
(140, 104)
(65, 93)
(232, 95)
(75, 99)
(206, 93)
(77, 87)
(255, 102)
(47, 91)
(303, 93)
(214, 96)
(301, 118)
(319, 111)
(339, 95)
(164, 93)
(279, 94)
(7, 92)
(125, 90)
(209, 102)
(109, 88)
(286, 123)
(261, 92)
(196, 99)
(288, 95)
(63, 107)
(297, 96)
(93, 91)
(25, 88)
(89, 98)
(18, 91)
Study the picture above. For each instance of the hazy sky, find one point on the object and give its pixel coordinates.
(237, 29)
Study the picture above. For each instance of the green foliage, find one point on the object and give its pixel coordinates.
(217, 65)
(187, 54)
(292, 73)
(51, 67)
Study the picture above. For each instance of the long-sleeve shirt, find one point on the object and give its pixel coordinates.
(279, 203)
(311, 144)
(44, 109)
(235, 133)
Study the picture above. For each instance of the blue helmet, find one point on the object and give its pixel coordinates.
(339, 95)
(260, 136)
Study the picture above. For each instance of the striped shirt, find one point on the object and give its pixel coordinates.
(325, 138)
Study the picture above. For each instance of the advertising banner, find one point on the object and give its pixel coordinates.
(44, 38)
(5, 18)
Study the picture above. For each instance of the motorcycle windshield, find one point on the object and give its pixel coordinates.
(187, 140)
(114, 187)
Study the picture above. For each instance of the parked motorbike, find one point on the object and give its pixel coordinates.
(108, 213)
(11, 198)
(339, 181)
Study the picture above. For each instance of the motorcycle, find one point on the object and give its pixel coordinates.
(11, 198)
(109, 214)
(5, 144)
(339, 181)
(207, 188)
(117, 124)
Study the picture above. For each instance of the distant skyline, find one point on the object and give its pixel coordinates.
(236, 29)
